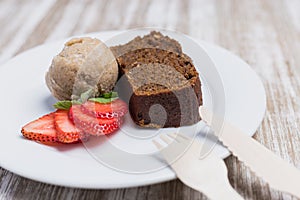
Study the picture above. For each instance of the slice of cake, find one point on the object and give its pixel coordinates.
(163, 83)
(153, 40)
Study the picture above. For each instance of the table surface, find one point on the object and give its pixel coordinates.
(265, 33)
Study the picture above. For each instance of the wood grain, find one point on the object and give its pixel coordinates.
(265, 33)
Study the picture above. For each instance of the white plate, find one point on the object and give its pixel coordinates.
(25, 97)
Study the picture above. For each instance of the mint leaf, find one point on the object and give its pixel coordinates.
(110, 95)
(63, 105)
(114, 94)
(106, 95)
(103, 100)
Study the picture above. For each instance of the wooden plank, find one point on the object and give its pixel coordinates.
(36, 13)
(44, 28)
(256, 38)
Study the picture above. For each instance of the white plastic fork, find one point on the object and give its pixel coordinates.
(207, 175)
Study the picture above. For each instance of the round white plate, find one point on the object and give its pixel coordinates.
(25, 97)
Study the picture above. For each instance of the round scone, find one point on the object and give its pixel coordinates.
(83, 64)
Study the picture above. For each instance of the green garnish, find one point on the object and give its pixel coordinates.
(109, 95)
(104, 98)
(63, 105)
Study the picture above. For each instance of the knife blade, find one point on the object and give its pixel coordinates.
(279, 174)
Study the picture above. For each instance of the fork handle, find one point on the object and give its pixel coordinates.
(222, 190)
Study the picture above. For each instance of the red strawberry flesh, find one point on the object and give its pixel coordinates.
(114, 109)
(66, 130)
(92, 125)
(42, 129)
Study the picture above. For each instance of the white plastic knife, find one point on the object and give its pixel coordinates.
(274, 170)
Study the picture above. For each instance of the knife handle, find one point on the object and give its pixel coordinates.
(278, 173)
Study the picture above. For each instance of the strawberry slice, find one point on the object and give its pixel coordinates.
(70, 114)
(66, 130)
(92, 125)
(114, 109)
(42, 129)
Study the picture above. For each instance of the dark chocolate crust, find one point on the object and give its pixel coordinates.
(175, 109)
(164, 84)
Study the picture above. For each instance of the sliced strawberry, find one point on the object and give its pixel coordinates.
(42, 129)
(71, 114)
(115, 109)
(66, 130)
(92, 125)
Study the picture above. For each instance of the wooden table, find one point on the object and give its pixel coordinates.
(265, 33)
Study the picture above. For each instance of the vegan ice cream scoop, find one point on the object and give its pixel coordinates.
(84, 64)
